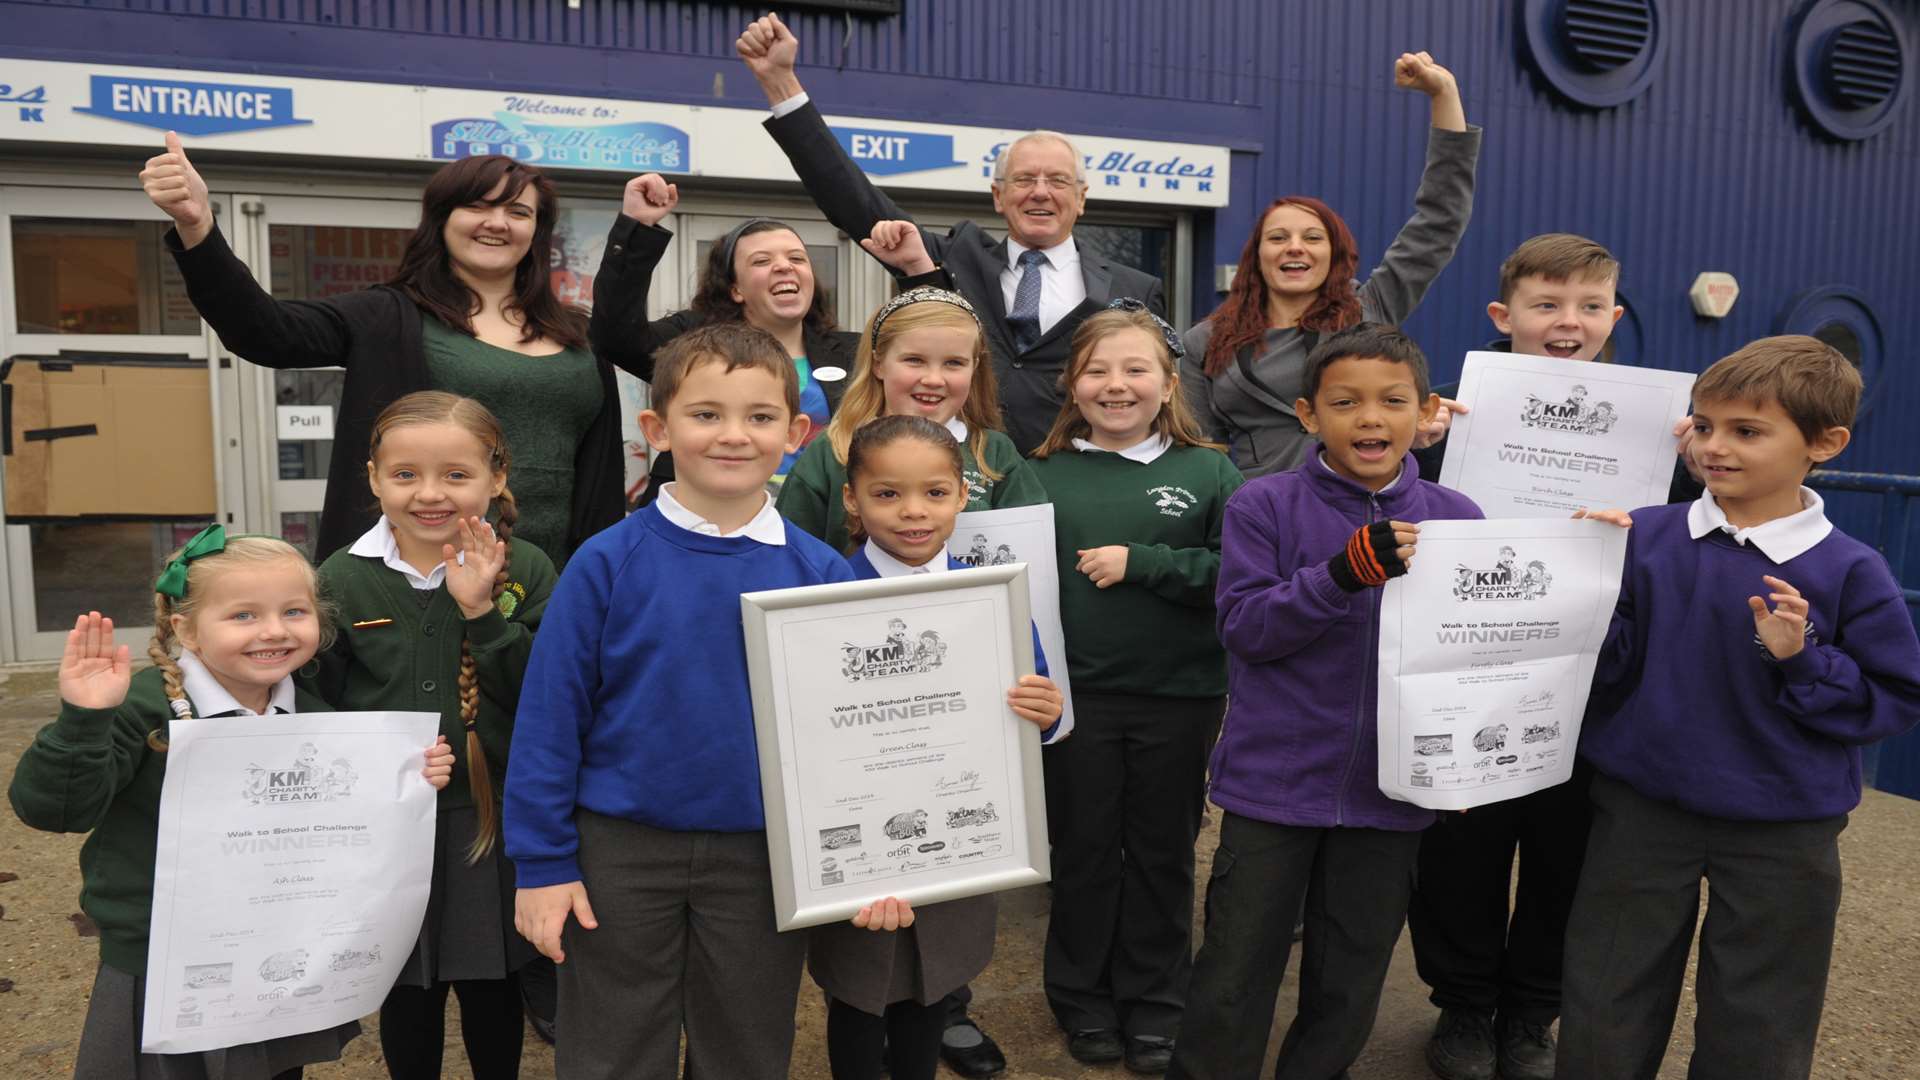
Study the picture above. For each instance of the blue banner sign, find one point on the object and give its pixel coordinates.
(632, 147)
(191, 108)
(879, 152)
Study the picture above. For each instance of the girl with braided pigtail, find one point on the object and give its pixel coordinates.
(234, 619)
(438, 609)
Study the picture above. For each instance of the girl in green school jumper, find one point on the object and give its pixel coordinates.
(437, 610)
(923, 354)
(1138, 498)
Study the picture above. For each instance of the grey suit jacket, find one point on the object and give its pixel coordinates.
(1030, 394)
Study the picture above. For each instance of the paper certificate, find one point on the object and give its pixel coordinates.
(291, 878)
(1024, 534)
(1487, 651)
(1549, 436)
(890, 764)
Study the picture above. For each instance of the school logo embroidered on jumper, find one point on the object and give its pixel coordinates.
(305, 781)
(511, 598)
(1573, 414)
(1504, 581)
(1172, 501)
(979, 490)
(983, 553)
(900, 654)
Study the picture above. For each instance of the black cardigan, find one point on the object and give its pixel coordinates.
(621, 331)
(375, 334)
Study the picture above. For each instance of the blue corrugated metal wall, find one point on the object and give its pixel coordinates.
(1710, 169)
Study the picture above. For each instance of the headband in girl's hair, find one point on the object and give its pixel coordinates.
(211, 540)
(733, 240)
(1128, 303)
(914, 296)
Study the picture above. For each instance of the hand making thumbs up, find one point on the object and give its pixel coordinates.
(175, 187)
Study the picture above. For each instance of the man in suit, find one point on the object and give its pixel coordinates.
(1032, 290)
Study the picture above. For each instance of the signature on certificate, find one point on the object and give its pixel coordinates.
(957, 785)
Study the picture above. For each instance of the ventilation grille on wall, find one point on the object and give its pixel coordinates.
(1863, 64)
(1606, 34)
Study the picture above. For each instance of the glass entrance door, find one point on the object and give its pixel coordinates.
(111, 432)
(301, 248)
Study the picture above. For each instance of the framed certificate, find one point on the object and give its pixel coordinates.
(890, 764)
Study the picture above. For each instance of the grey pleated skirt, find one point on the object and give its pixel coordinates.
(468, 932)
(110, 1042)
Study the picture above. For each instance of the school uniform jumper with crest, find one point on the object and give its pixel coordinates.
(1149, 684)
(92, 771)
(398, 647)
(635, 772)
(1715, 760)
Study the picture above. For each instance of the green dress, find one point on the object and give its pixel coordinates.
(545, 405)
(810, 497)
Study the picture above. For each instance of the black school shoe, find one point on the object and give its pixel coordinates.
(1525, 1049)
(1462, 1046)
(971, 1052)
(1095, 1046)
(1149, 1055)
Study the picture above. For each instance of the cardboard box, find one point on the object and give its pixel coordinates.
(93, 434)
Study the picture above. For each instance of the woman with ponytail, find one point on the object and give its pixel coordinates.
(438, 605)
(233, 620)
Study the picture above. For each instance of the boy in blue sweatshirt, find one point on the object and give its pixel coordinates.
(1754, 651)
(632, 801)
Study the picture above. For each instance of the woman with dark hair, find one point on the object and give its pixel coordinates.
(759, 273)
(470, 310)
(1244, 364)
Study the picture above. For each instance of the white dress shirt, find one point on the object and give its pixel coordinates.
(1061, 286)
(887, 566)
(380, 543)
(1146, 451)
(767, 526)
(212, 699)
(1780, 539)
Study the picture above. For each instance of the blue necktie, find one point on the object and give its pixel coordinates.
(1025, 316)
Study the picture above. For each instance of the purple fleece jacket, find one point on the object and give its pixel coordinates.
(1300, 739)
(1688, 709)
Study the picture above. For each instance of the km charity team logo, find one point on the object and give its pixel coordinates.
(985, 553)
(1573, 414)
(901, 654)
(1505, 580)
(304, 781)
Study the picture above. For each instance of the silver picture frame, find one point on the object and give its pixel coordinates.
(890, 763)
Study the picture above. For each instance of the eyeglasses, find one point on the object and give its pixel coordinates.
(1054, 182)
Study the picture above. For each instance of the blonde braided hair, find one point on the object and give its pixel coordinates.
(440, 407)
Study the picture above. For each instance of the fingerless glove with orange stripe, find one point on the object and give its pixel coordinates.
(1368, 560)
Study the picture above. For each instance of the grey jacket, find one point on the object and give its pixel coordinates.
(1255, 419)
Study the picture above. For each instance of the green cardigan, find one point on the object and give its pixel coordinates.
(399, 648)
(91, 770)
(810, 496)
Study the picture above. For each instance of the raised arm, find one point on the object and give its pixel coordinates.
(1441, 207)
(260, 329)
(620, 332)
(836, 184)
(70, 774)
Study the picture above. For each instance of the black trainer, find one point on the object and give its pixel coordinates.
(1525, 1049)
(1462, 1046)
(1095, 1046)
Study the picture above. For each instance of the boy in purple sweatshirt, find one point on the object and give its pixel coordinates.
(1754, 651)
(1303, 554)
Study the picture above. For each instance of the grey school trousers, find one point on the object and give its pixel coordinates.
(1766, 944)
(685, 939)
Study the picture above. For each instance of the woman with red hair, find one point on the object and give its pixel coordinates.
(1244, 364)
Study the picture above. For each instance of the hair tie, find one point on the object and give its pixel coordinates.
(173, 580)
(1128, 303)
(916, 295)
(732, 240)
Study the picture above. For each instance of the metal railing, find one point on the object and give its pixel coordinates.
(1893, 765)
